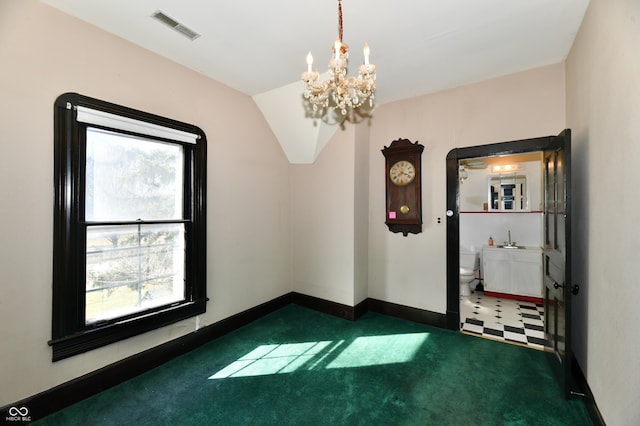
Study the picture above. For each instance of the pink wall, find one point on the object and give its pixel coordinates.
(412, 270)
(44, 53)
(603, 110)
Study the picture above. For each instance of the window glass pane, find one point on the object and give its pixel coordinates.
(129, 178)
(133, 268)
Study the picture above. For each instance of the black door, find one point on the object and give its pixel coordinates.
(558, 288)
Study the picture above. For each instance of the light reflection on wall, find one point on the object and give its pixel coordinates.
(289, 357)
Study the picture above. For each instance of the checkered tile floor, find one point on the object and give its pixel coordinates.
(508, 320)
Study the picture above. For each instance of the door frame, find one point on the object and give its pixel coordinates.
(520, 146)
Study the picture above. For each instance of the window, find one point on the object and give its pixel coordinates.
(130, 224)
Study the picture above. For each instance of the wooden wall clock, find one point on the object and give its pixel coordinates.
(403, 186)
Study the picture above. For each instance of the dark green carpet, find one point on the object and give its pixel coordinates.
(300, 367)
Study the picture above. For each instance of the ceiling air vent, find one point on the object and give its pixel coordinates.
(170, 22)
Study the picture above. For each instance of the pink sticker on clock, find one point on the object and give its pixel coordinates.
(392, 215)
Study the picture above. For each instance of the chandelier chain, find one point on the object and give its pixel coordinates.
(340, 20)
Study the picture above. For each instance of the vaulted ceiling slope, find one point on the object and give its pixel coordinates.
(419, 46)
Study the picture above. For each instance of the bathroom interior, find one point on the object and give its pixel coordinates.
(501, 238)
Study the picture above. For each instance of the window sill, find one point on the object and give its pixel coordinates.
(97, 337)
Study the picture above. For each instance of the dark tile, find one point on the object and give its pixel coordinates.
(492, 332)
(533, 308)
(514, 329)
(474, 321)
(530, 316)
(533, 327)
(537, 341)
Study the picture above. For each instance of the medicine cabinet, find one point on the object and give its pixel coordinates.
(508, 193)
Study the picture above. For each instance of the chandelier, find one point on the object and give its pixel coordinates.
(339, 91)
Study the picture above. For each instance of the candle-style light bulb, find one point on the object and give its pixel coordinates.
(336, 48)
(309, 61)
(366, 54)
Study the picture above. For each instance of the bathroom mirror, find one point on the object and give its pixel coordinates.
(508, 193)
(478, 175)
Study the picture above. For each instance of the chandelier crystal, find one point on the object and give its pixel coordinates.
(341, 92)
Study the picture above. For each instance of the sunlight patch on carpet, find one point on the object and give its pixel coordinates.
(289, 357)
(378, 350)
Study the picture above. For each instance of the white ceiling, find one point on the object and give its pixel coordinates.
(418, 46)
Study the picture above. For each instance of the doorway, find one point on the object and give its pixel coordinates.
(453, 208)
(558, 287)
(501, 199)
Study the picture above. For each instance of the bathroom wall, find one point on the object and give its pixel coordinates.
(476, 228)
(476, 225)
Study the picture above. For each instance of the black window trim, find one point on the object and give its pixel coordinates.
(70, 335)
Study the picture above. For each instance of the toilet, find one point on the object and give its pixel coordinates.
(469, 265)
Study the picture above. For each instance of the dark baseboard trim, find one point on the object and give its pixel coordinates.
(361, 308)
(66, 394)
(581, 381)
(453, 320)
(347, 312)
(407, 312)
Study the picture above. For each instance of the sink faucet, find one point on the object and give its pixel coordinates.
(510, 243)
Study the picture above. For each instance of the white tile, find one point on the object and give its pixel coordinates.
(532, 322)
(513, 322)
(472, 328)
(494, 324)
(466, 307)
(534, 333)
(485, 311)
(510, 312)
(515, 337)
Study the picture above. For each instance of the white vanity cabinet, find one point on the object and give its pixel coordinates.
(513, 271)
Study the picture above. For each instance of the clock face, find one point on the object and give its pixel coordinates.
(402, 173)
